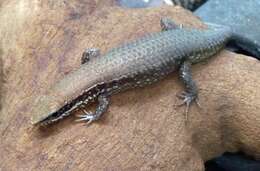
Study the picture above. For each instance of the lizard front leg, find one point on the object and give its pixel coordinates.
(191, 92)
(168, 24)
(103, 103)
(89, 54)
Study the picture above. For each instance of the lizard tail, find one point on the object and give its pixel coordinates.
(241, 41)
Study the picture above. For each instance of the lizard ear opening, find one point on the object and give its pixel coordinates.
(168, 24)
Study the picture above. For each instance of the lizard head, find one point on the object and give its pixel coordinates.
(45, 110)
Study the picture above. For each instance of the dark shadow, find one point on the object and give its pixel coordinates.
(232, 46)
(233, 162)
(191, 5)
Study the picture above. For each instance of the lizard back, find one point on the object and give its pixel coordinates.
(135, 64)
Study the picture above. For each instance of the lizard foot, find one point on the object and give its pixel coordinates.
(88, 116)
(88, 54)
(187, 98)
(103, 102)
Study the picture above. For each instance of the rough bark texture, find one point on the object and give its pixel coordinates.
(142, 130)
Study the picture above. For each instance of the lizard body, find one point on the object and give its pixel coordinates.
(135, 64)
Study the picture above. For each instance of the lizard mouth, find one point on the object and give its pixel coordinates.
(54, 117)
(60, 113)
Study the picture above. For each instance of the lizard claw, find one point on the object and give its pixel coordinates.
(187, 98)
(197, 102)
(88, 116)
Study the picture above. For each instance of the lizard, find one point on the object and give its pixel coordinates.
(131, 65)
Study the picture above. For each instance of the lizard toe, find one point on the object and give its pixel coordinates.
(89, 117)
(187, 99)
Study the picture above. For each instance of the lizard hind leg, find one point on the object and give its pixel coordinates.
(191, 93)
(168, 24)
(103, 103)
(89, 54)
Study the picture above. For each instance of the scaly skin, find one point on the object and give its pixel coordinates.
(136, 64)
